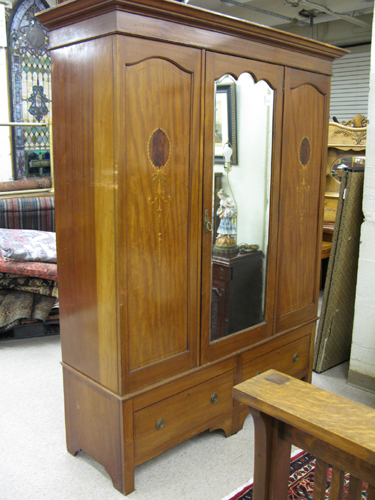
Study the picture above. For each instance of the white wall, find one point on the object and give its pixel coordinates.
(362, 359)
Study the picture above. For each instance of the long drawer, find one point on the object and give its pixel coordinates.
(292, 359)
(163, 421)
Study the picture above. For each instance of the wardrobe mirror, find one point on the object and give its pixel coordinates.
(240, 203)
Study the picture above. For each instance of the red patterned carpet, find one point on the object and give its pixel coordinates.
(301, 481)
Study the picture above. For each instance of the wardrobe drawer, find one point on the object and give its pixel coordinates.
(220, 272)
(291, 359)
(163, 421)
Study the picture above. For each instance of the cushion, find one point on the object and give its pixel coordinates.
(46, 270)
(27, 245)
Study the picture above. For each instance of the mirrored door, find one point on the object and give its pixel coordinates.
(239, 201)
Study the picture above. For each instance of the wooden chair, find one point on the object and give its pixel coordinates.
(337, 431)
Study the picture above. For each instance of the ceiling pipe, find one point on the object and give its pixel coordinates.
(334, 15)
(262, 11)
(345, 17)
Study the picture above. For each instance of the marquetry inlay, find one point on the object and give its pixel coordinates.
(304, 159)
(304, 156)
(159, 151)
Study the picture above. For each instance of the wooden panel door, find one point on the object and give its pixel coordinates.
(301, 196)
(159, 209)
(218, 65)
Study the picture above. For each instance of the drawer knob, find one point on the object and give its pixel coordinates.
(214, 397)
(295, 357)
(160, 424)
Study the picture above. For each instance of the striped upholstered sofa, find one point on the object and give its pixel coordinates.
(28, 213)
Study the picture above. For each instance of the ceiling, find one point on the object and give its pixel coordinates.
(342, 22)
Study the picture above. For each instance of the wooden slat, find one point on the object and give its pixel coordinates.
(371, 492)
(320, 480)
(337, 484)
(337, 457)
(272, 459)
(355, 488)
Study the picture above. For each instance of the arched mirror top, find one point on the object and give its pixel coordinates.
(257, 77)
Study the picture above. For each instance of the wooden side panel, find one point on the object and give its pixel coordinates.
(300, 218)
(159, 209)
(98, 423)
(85, 207)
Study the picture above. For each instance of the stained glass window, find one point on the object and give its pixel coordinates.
(30, 89)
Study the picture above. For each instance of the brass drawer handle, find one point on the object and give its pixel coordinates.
(295, 357)
(214, 397)
(160, 424)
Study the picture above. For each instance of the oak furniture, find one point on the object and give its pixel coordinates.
(346, 144)
(346, 141)
(134, 107)
(336, 430)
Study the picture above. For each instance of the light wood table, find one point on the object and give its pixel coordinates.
(337, 431)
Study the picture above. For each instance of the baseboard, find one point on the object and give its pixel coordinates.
(362, 381)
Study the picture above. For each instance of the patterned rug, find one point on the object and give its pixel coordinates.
(301, 481)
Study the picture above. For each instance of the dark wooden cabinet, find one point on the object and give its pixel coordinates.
(133, 106)
(237, 299)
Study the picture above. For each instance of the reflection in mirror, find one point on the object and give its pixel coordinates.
(339, 166)
(241, 198)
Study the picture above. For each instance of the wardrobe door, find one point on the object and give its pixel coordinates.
(301, 197)
(159, 209)
(243, 103)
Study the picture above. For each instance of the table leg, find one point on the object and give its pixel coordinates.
(272, 459)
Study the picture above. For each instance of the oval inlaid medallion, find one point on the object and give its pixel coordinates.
(305, 151)
(159, 148)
